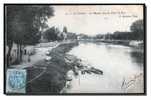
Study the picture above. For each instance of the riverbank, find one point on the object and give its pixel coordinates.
(49, 76)
(39, 50)
(106, 57)
(129, 43)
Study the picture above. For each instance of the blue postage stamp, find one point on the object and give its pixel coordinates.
(16, 81)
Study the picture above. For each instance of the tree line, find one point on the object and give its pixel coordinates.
(55, 34)
(24, 24)
(136, 33)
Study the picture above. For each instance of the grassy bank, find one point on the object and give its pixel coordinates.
(47, 77)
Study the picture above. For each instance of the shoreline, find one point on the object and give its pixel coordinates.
(49, 76)
(129, 43)
(54, 71)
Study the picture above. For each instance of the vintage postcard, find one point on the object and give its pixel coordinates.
(75, 49)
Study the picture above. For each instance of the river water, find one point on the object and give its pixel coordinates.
(118, 63)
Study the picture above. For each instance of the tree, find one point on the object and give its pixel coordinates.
(23, 25)
(137, 28)
(52, 34)
(65, 29)
(98, 36)
(71, 36)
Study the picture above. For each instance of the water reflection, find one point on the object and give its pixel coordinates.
(116, 61)
(138, 57)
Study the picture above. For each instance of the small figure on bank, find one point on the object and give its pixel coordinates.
(25, 51)
(29, 57)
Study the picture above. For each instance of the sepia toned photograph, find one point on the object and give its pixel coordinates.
(68, 49)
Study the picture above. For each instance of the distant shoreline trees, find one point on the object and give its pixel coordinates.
(136, 33)
(54, 34)
(137, 28)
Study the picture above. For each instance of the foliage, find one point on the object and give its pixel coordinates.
(51, 34)
(71, 35)
(25, 22)
(23, 25)
(137, 26)
(136, 33)
(138, 29)
(65, 29)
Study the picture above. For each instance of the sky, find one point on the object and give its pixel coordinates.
(95, 19)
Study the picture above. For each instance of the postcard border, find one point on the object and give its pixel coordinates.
(80, 94)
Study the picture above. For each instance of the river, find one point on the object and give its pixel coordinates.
(119, 64)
